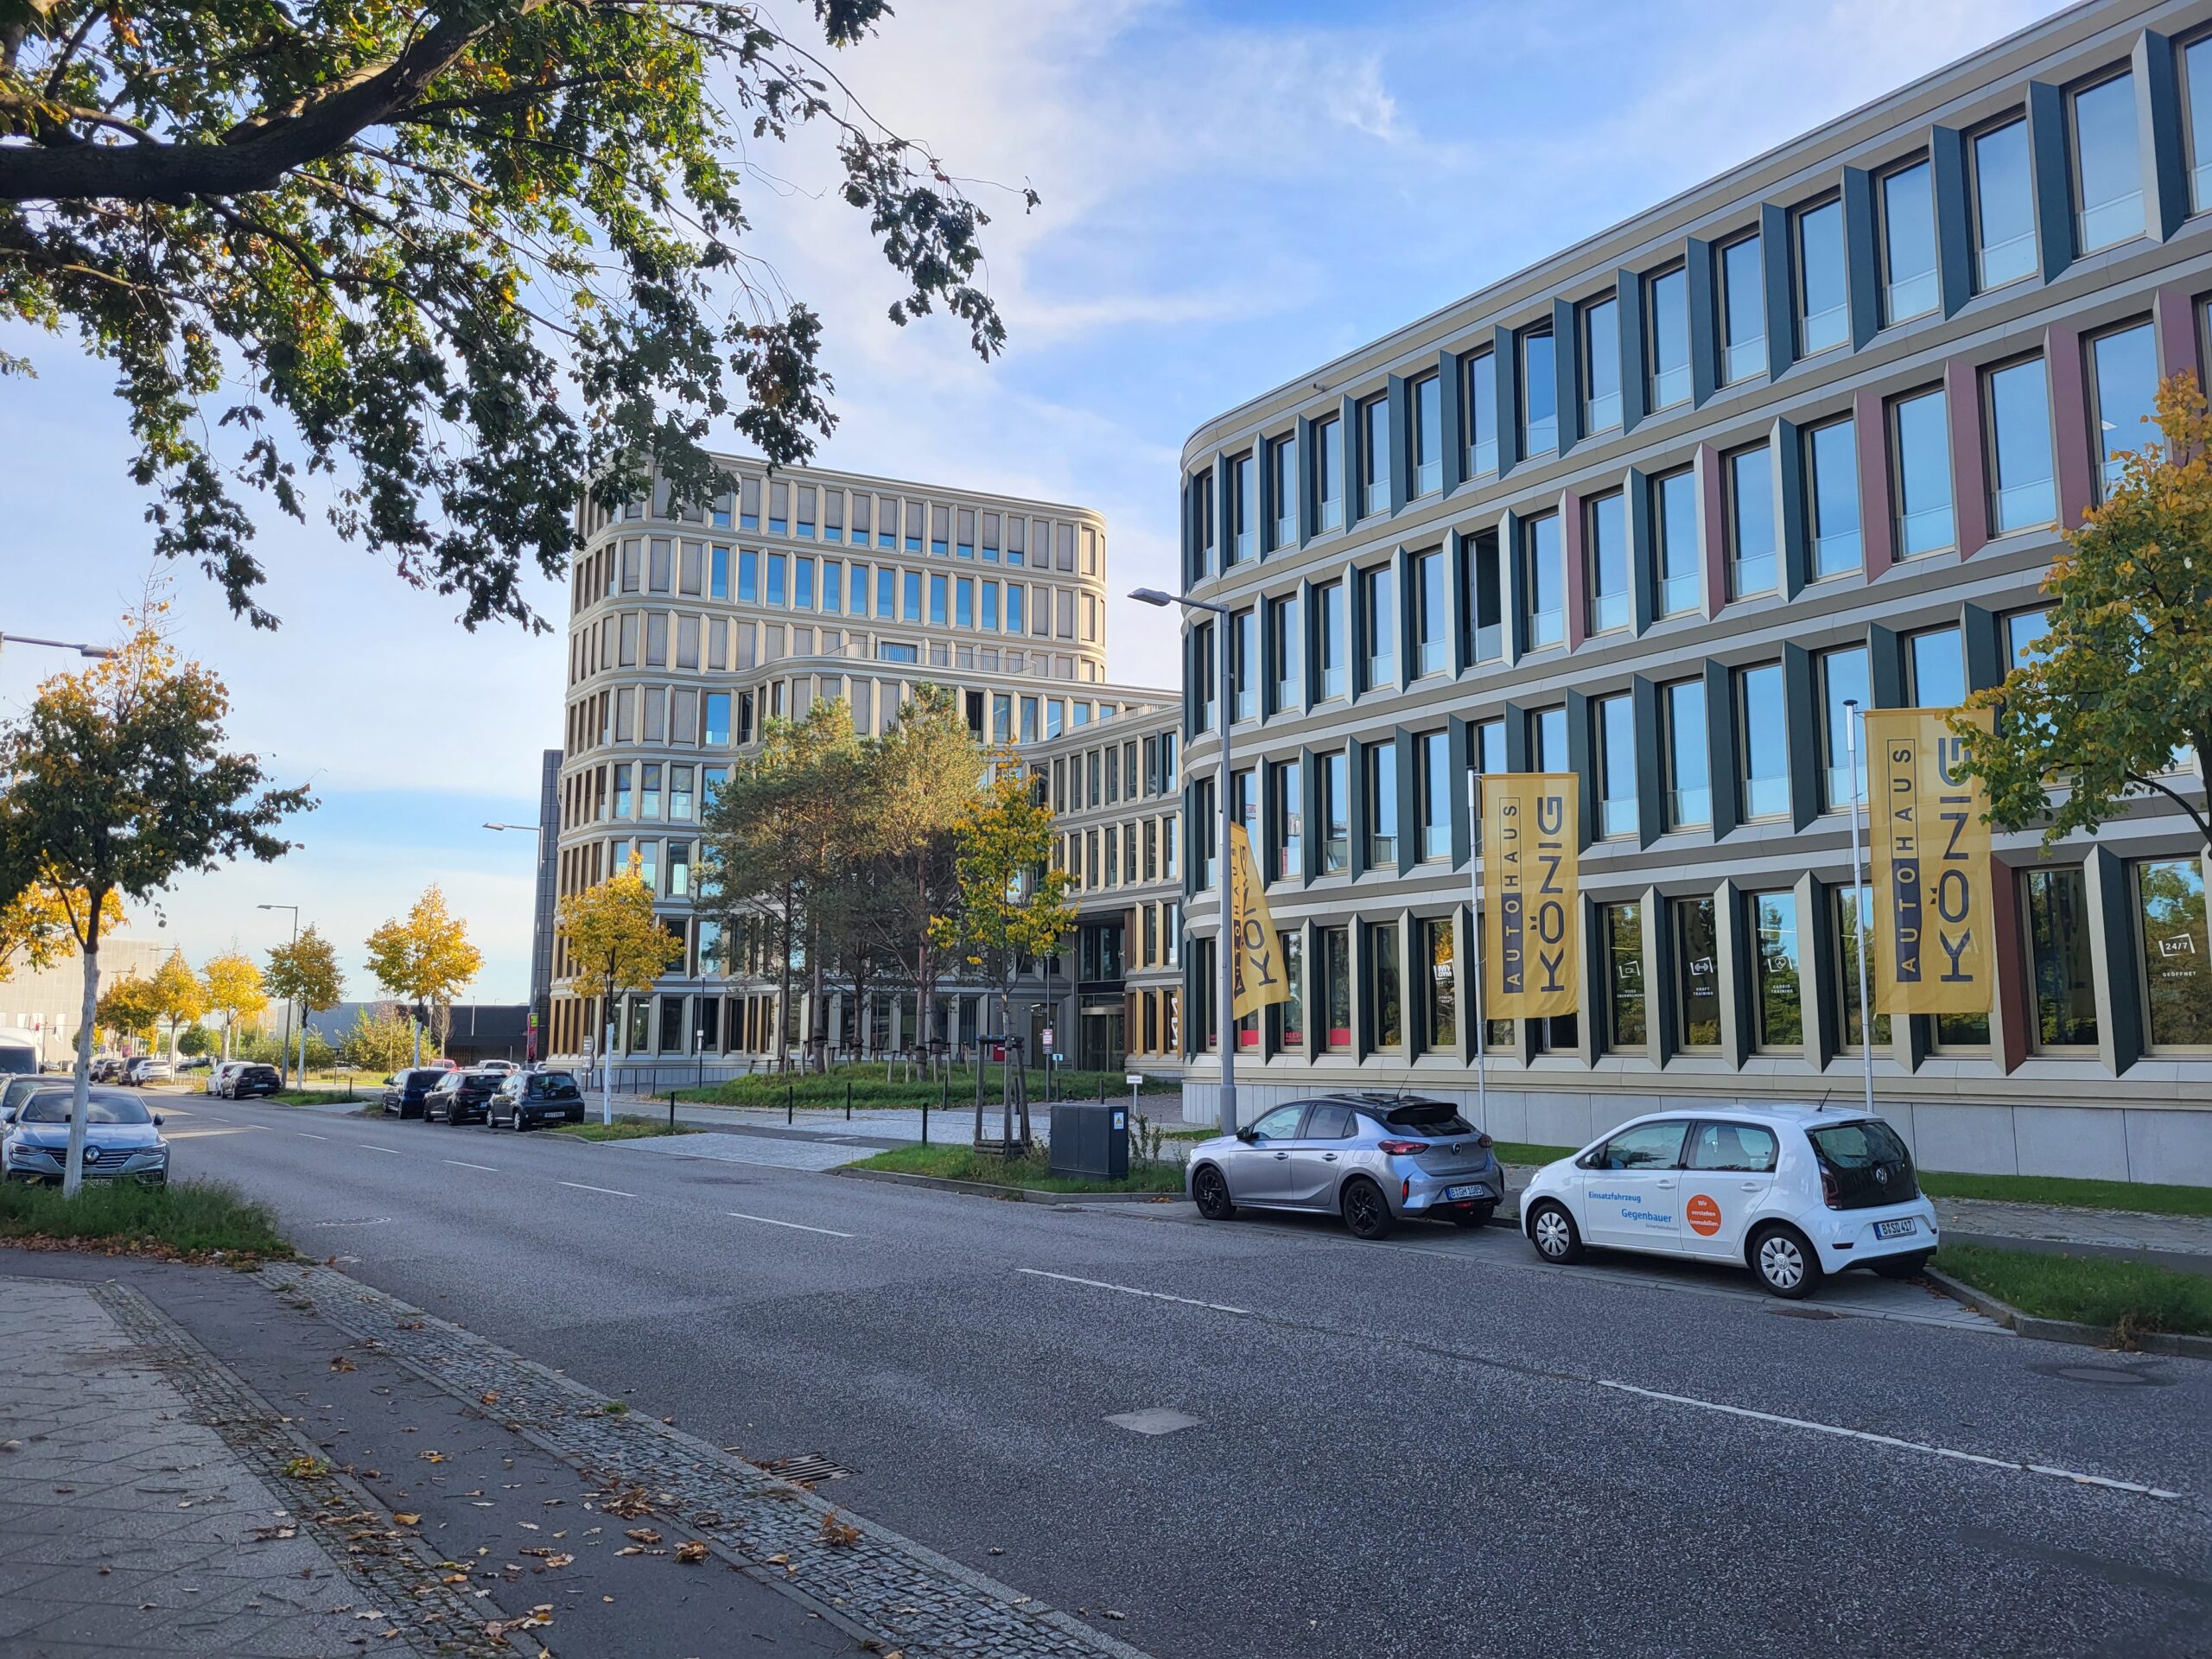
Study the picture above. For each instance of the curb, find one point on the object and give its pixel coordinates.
(987, 1190)
(2070, 1331)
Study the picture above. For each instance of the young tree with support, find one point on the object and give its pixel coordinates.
(305, 970)
(231, 988)
(617, 947)
(426, 957)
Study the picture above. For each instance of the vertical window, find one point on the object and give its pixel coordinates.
(1379, 762)
(1777, 985)
(802, 584)
(863, 519)
(748, 503)
(717, 705)
(964, 540)
(2107, 164)
(1242, 540)
(1832, 496)
(1016, 600)
(718, 574)
(940, 530)
(1202, 518)
(1601, 365)
(1380, 623)
(1483, 587)
(1936, 669)
(2022, 493)
(1336, 813)
(1678, 549)
(1284, 648)
(1425, 406)
(1614, 722)
(2123, 382)
(777, 563)
(1329, 643)
(1604, 536)
(833, 586)
(990, 616)
(2024, 636)
(779, 508)
(1842, 678)
(1539, 391)
(2004, 207)
(1543, 583)
(1762, 741)
(1908, 252)
(2177, 969)
(1920, 464)
(649, 791)
(1431, 613)
(1287, 809)
(1433, 787)
(912, 596)
(1823, 300)
(1283, 489)
(1620, 930)
(1206, 672)
(1243, 664)
(937, 600)
(2196, 96)
(622, 791)
(833, 515)
(1688, 761)
(1742, 311)
(1547, 739)
(1433, 961)
(1668, 328)
(1752, 562)
(1333, 947)
(963, 602)
(1852, 911)
(2059, 951)
(1375, 455)
(1697, 973)
(1329, 472)
(1486, 757)
(1383, 988)
(807, 518)
(1479, 409)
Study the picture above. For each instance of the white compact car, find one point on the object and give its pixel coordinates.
(1794, 1193)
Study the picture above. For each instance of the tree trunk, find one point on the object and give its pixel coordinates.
(73, 1166)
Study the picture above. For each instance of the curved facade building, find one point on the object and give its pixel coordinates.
(1650, 512)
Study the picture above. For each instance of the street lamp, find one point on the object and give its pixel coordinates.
(537, 915)
(1225, 1020)
(96, 653)
(295, 909)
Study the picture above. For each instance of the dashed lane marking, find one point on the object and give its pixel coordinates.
(583, 1186)
(372, 1145)
(1131, 1290)
(796, 1226)
(463, 1163)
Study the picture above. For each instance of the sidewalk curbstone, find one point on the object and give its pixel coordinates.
(2069, 1331)
(990, 1189)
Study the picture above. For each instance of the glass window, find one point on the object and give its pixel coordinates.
(1433, 787)
(937, 598)
(1743, 311)
(1244, 664)
(1383, 988)
(2022, 492)
(1485, 755)
(1843, 677)
(1547, 739)
(1283, 489)
(1752, 562)
(1336, 813)
(1242, 541)
(1433, 960)
(1431, 614)
(1016, 604)
(2024, 631)
(1776, 981)
(990, 613)
(1605, 539)
(1680, 557)
(1379, 622)
(1374, 456)
(1480, 407)
(1832, 493)
(1620, 931)
(1284, 648)
(1206, 672)
(1379, 761)
(717, 703)
(2059, 955)
(1329, 472)
(1539, 393)
(1908, 284)
(1424, 407)
(1762, 741)
(2123, 385)
(2177, 968)
(1601, 365)
(2004, 207)
(1737, 1148)
(622, 791)
(1697, 973)
(1668, 327)
(1823, 297)
(802, 584)
(1330, 642)
(2197, 96)
(1936, 669)
(1287, 1018)
(1649, 1146)
(833, 586)
(1614, 719)
(913, 596)
(718, 574)
(2107, 165)
(1543, 583)
(1852, 911)
(1332, 946)
(1921, 447)
(1287, 809)
(1689, 793)
(1483, 588)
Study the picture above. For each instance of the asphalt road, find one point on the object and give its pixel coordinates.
(1432, 1447)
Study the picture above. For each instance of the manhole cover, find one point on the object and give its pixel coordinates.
(1157, 1419)
(2120, 1377)
(810, 1469)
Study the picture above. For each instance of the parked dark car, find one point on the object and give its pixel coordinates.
(462, 1097)
(526, 1099)
(250, 1080)
(405, 1091)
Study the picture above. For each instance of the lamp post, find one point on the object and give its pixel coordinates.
(1225, 1020)
(537, 915)
(1853, 722)
(95, 653)
(295, 909)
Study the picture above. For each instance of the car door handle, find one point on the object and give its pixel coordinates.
(1328, 1157)
(1751, 1186)
(1663, 1184)
(1282, 1154)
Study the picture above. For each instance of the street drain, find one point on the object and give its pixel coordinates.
(808, 1470)
(2103, 1375)
(1805, 1312)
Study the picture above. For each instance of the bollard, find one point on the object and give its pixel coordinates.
(1102, 1091)
(848, 1100)
(925, 1119)
(791, 1100)
(671, 1111)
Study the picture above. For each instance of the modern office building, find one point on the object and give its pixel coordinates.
(1652, 511)
(688, 628)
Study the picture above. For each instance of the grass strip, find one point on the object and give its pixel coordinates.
(2145, 1198)
(958, 1163)
(2129, 1298)
(1529, 1152)
(622, 1128)
(190, 1220)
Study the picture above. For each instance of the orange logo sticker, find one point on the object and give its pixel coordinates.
(1704, 1214)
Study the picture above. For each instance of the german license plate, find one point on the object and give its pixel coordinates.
(1466, 1192)
(1900, 1228)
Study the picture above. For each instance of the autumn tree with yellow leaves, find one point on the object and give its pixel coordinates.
(426, 957)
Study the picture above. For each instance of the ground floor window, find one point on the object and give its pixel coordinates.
(1433, 961)
(2176, 962)
(1851, 912)
(1777, 982)
(1333, 947)
(1621, 931)
(1697, 973)
(2059, 953)
(1384, 996)
(1287, 1018)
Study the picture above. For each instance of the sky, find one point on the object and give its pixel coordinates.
(1233, 194)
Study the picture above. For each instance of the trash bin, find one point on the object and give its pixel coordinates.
(1090, 1140)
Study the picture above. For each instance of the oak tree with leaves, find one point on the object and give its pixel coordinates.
(618, 946)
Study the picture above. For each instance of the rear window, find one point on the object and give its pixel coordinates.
(260, 1072)
(428, 1080)
(1429, 1117)
(561, 1088)
(1859, 1146)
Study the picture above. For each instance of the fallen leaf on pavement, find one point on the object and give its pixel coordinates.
(837, 1533)
(405, 1519)
(693, 1551)
(643, 1535)
(778, 1560)
(490, 1396)
(630, 1549)
(434, 1457)
(339, 1362)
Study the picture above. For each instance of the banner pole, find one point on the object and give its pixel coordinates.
(1475, 946)
(1854, 718)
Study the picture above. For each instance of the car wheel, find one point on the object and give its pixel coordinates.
(1901, 1267)
(1785, 1262)
(1367, 1212)
(1211, 1194)
(1553, 1233)
(1478, 1216)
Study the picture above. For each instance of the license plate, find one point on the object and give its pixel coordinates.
(1466, 1192)
(1895, 1229)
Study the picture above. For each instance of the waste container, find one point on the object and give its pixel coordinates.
(1091, 1140)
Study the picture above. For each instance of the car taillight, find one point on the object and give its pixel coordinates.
(1829, 1195)
(1403, 1148)
(1485, 1141)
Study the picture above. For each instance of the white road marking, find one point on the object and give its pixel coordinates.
(1131, 1290)
(1892, 1441)
(371, 1145)
(462, 1163)
(304, 1136)
(797, 1226)
(581, 1186)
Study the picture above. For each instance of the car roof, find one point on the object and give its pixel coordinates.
(1773, 1115)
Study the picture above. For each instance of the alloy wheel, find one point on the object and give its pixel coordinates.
(1781, 1264)
(1551, 1234)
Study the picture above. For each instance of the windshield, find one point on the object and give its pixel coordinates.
(18, 1057)
(100, 1108)
(1859, 1146)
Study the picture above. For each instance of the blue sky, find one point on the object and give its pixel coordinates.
(1233, 194)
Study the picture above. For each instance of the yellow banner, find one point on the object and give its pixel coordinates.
(1933, 894)
(1532, 894)
(1258, 960)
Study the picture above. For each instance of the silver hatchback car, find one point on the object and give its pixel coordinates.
(1375, 1159)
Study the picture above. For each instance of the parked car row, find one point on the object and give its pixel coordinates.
(497, 1093)
(1794, 1193)
(244, 1079)
(123, 1139)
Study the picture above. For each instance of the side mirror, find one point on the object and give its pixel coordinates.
(158, 1120)
(1248, 1134)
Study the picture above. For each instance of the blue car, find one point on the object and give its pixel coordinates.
(123, 1139)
